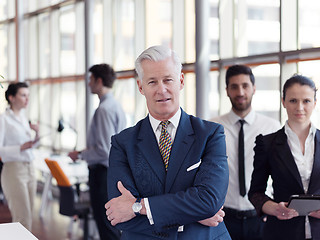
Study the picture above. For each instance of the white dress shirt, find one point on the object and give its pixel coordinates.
(254, 125)
(14, 131)
(304, 161)
(172, 129)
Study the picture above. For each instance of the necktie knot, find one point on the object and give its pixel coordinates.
(242, 122)
(164, 124)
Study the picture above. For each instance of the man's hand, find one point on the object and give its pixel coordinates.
(120, 209)
(215, 220)
(73, 155)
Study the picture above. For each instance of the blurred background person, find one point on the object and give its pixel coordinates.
(16, 142)
(291, 156)
(107, 120)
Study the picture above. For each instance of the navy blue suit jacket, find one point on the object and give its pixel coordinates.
(273, 157)
(180, 196)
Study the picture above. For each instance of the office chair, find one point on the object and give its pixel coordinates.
(69, 199)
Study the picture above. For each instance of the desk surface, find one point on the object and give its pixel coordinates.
(15, 231)
(76, 172)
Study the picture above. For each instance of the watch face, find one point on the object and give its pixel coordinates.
(136, 207)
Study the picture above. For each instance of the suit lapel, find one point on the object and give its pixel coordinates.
(284, 152)
(314, 178)
(148, 146)
(182, 143)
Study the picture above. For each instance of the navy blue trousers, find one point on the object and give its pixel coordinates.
(99, 197)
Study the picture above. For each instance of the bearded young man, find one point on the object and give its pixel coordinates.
(242, 125)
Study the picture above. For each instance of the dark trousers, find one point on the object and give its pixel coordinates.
(242, 225)
(99, 197)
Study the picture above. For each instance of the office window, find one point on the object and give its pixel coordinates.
(311, 69)
(3, 51)
(124, 31)
(267, 96)
(11, 52)
(31, 49)
(257, 27)
(309, 23)
(159, 23)
(214, 29)
(67, 41)
(44, 45)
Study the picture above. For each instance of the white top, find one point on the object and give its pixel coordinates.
(172, 129)
(304, 161)
(254, 125)
(14, 131)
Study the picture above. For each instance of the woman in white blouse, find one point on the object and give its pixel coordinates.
(291, 156)
(17, 177)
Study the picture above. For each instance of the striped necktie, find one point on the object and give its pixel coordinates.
(165, 143)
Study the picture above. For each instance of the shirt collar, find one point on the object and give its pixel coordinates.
(104, 97)
(289, 132)
(174, 120)
(234, 118)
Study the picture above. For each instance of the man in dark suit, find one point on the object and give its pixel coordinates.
(168, 174)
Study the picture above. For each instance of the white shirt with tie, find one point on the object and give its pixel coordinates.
(172, 129)
(254, 125)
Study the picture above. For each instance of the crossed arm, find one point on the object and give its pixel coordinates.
(119, 209)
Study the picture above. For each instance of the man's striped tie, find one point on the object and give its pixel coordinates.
(165, 143)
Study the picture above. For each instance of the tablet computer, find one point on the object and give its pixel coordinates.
(304, 204)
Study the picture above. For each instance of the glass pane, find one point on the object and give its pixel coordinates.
(124, 35)
(257, 27)
(68, 136)
(31, 50)
(159, 22)
(125, 92)
(67, 40)
(311, 69)
(11, 52)
(214, 96)
(3, 51)
(309, 23)
(11, 8)
(214, 29)
(3, 10)
(267, 87)
(44, 45)
(188, 94)
(98, 32)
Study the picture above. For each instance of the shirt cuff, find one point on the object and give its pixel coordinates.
(147, 206)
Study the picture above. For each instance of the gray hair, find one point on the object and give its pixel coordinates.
(156, 54)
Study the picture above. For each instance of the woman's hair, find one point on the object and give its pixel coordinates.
(13, 88)
(299, 79)
(156, 54)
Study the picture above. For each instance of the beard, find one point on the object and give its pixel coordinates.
(243, 106)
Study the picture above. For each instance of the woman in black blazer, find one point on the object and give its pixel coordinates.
(291, 156)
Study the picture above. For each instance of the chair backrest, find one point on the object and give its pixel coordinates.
(58, 173)
(67, 193)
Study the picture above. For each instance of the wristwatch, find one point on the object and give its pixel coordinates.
(137, 206)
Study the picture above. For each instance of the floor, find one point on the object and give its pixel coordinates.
(53, 226)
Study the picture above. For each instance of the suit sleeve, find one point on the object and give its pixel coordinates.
(207, 194)
(119, 170)
(260, 176)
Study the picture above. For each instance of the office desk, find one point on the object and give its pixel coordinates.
(15, 231)
(76, 172)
